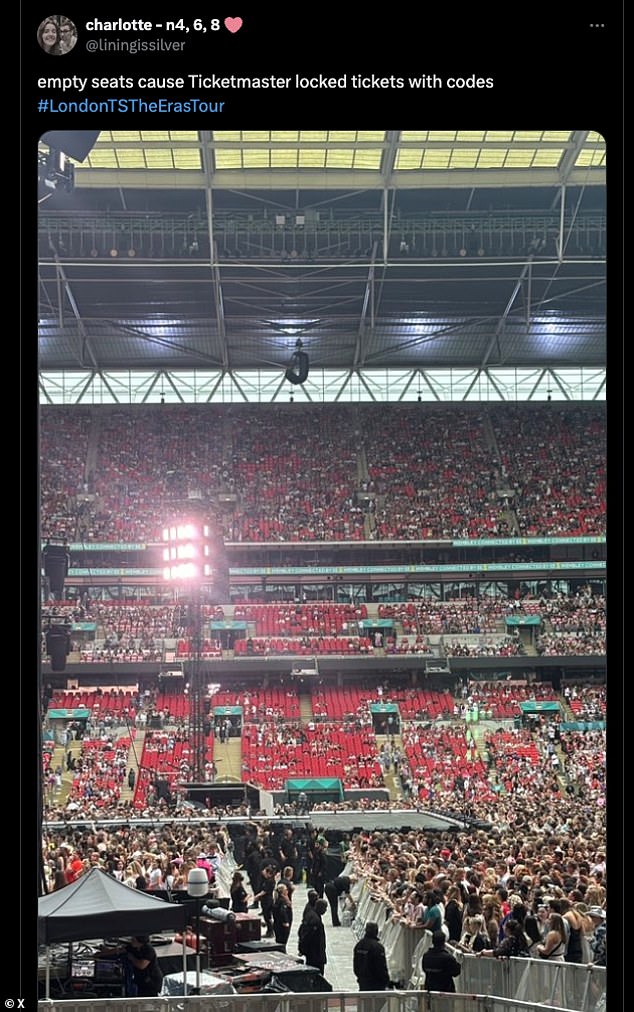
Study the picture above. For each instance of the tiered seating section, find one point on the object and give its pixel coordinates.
(120, 704)
(503, 646)
(64, 440)
(418, 463)
(303, 646)
(209, 648)
(171, 706)
(438, 756)
(555, 460)
(463, 627)
(344, 704)
(100, 771)
(303, 629)
(515, 756)
(273, 754)
(261, 704)
(422, 704)
(295, 475)
(560, 644)
(302, 619)
(166, 756)
(439, 762)
(587, 703)
(502, 701)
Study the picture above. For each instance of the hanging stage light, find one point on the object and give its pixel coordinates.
(297, 371)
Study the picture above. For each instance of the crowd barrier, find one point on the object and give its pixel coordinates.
(566, 985)
(382, 1001)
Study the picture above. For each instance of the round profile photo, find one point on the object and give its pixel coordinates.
(57, 35)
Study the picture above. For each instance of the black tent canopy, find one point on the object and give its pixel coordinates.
(99, 906)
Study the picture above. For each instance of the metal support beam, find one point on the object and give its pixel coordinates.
(85, 349)
(343, 386)
(206, 137)
(494, 384)
(434, 392)
(388, 160)
(502, 320)
(561, 242)
(408, 384)
(473, 382)
(554, 375)
(368, 304)
(537, 384)
(567, 164)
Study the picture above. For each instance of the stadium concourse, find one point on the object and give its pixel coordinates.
(323, 499)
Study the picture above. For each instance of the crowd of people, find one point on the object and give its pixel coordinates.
(538, 473)
(532, 884)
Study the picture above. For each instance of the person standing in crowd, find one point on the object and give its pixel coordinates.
(59, 879)
(453, 912)
(578, 928)
(313, 936)
(202, 861)
(334, 889)
(440, 966)
(368, 961)
(288, 852)
(474, 937)
(533, 933)
(253, 865)
(514, 942)
(282, 914)
(597, 940)
(265, 898)
(433, 917)
(554, 945)
(318, 867)
(155, 876)
(288, 875)
(141, 880)
(238, 894)
(311, 898)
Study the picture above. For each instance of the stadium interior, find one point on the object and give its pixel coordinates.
(322, 436)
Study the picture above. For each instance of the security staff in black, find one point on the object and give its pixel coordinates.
(368, 961)
(333, 890)
(148, 976)
(440, 966)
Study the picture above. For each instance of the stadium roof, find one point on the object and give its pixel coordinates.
(191, 263)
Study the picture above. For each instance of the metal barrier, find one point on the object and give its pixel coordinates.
(579, 988)
(380, 1001)
(567, 985)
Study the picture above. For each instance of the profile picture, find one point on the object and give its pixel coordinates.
(57, 35)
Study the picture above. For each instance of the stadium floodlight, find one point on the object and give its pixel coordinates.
(187, 552)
